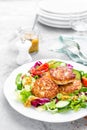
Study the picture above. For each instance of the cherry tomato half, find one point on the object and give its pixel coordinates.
(84, 81)
(40, 70)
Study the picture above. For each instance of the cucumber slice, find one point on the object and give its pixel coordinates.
(77, 73)
(18, 82)
(62, 104)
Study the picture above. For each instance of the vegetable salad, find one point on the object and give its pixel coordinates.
(62, 102)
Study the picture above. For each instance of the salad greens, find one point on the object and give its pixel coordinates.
(24, 95)
(62, 102)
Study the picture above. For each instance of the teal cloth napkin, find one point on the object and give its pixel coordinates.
(69, 40)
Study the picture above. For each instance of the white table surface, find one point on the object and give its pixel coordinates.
(14, 14)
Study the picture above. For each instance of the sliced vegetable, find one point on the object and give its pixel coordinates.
(77, 73)
(18, 82)
(40, 70)
(63, 110)
(53, 111)
(55, 64)
(39, 102)
(82, 73)
(83, 89)
(36, 77)
(37, 64)
(44, 66)
(58, 64)
(59, 96)
(70, 66)
(50, 105)
(62, 104)
(84, 81)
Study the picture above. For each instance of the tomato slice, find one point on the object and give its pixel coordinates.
(84, 81)
(40, 70)
(43, 66)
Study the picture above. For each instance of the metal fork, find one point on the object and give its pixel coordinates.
(74, 47)
(71, 55)
(76, 51)
(75, 57)
(83, 55)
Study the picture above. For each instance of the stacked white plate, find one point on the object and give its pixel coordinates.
(61, 13)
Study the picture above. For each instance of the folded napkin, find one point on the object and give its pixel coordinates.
(69, 42)
(73, 37)
(81, 40)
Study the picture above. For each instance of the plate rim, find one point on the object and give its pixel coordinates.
(53, 25)
(60, 16)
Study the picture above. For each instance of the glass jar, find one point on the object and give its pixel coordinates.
(32, 36)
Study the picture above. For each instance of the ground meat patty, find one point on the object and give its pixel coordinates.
(45, 88)
(62, 75)
(71, 87)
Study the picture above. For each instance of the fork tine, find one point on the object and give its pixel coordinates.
(75, 58)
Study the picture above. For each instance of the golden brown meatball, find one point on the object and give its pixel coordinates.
(62, 75)
(71, 87)
(45, 88)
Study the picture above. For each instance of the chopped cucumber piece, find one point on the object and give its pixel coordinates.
(18, 78)
(53, 111)
(77, 73)
(19, 86)
(62, 104)
(18, 82)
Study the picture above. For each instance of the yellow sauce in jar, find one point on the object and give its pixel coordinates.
(34, 42)
(35, 45)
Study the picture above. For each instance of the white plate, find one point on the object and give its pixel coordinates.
(45, 22)
(63, 6)
(9, 92)
(65, 17)
(58, 22)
